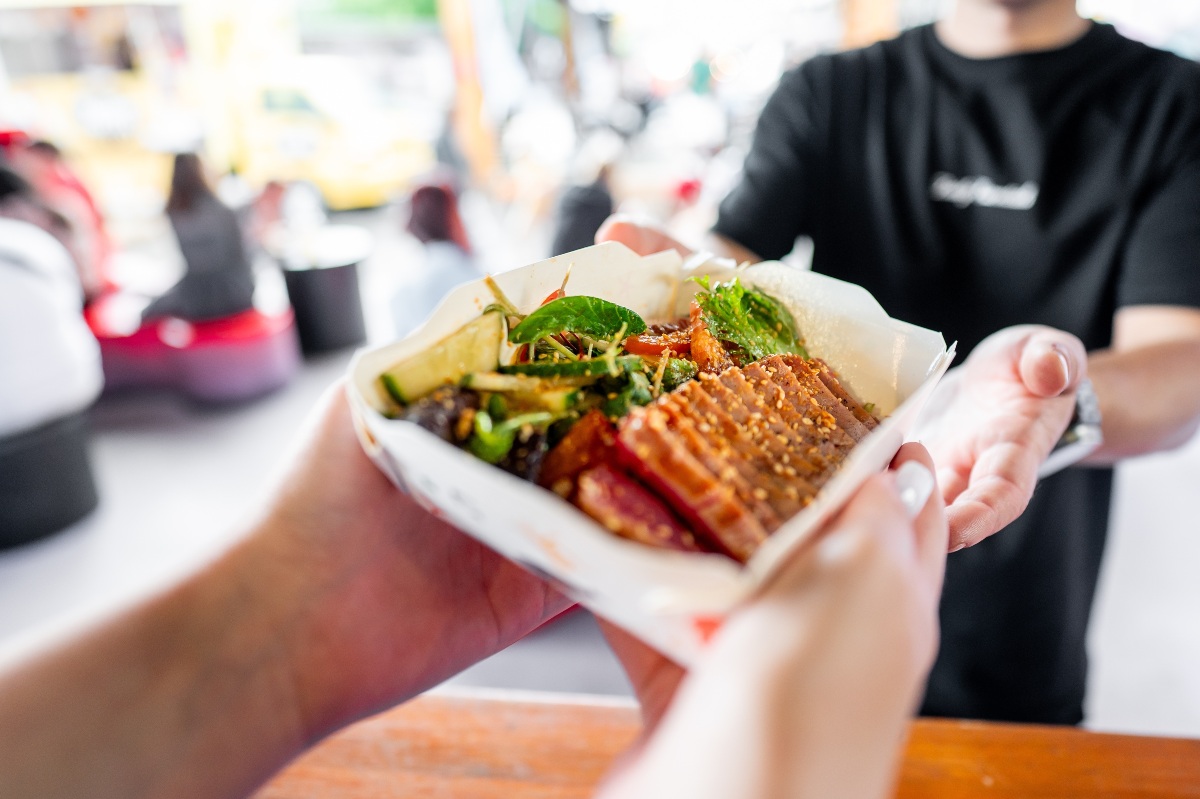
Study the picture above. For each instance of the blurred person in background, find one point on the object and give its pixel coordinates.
(218, 280)
(264, 216)
(61, 190)
(346, 597)
(1013, 164)
(433, 219)
(581, 211)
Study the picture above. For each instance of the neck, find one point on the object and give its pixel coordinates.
(993, 28)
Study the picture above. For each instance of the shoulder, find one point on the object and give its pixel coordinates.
(1158, 91)
(847, 72)
(1160, 69)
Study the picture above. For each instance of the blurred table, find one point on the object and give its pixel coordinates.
(547, 746)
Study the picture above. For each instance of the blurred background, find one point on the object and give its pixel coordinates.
(374, 153)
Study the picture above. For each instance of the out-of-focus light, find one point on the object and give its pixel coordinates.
(726, 65)
(761, 66)
(670, 62)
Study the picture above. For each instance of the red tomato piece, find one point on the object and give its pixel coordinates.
(675, 342)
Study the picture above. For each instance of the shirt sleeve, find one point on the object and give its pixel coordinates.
(1162, 259)
(773, 202)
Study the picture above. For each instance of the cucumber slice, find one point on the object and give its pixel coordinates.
(594, 367)
(557, 395)
(475, 347)
(556, 401)
(523, 384)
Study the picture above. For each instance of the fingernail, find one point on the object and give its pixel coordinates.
(1066, 365)
(914, 484)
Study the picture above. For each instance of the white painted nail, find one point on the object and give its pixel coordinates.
(914, 484)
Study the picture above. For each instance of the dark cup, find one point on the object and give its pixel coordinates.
(46, 481)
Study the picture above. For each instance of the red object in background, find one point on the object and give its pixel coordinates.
(64, 193)
(234, 358)
(688, 191)
(62, 190)
(12, 138)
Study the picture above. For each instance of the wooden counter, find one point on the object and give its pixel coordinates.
(547, 746)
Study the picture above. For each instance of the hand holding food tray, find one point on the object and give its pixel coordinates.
(530, 382)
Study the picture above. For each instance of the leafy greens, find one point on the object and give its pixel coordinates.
(587, 316)
(752, 320)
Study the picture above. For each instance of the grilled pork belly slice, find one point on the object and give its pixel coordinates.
(717, 465)
(838, 390)
(785, 496)
(829, 402)
(726, 463)
(738, 453)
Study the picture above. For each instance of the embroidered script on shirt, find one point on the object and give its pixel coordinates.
(982, 191)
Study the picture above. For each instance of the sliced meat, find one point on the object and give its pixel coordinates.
(814, 427)
(719, 458)
(836, 388)
(628, 509)
(785, 495)
(730, 456)
(655, 456)
(824, 398)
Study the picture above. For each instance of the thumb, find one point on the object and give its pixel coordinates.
(653, 676)
(1052, 362)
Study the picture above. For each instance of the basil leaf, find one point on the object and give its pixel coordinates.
(754, 321)
(589, 316)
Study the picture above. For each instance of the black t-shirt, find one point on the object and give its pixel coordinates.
(972, 194)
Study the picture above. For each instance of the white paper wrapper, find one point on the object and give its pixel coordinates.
(672, 600)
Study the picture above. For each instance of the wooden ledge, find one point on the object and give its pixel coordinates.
(502, 744)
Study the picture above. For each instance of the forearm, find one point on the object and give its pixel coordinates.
(1149, 398)
(186, 695)
(345, 599)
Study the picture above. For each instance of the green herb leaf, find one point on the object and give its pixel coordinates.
(749, 318)
(636, 392)
(678, 371)
(589, 316)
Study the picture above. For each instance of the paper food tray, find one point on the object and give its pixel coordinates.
(671, 600)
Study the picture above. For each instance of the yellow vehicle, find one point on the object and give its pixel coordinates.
(315, 120)
(120, 86)
(106, 83)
